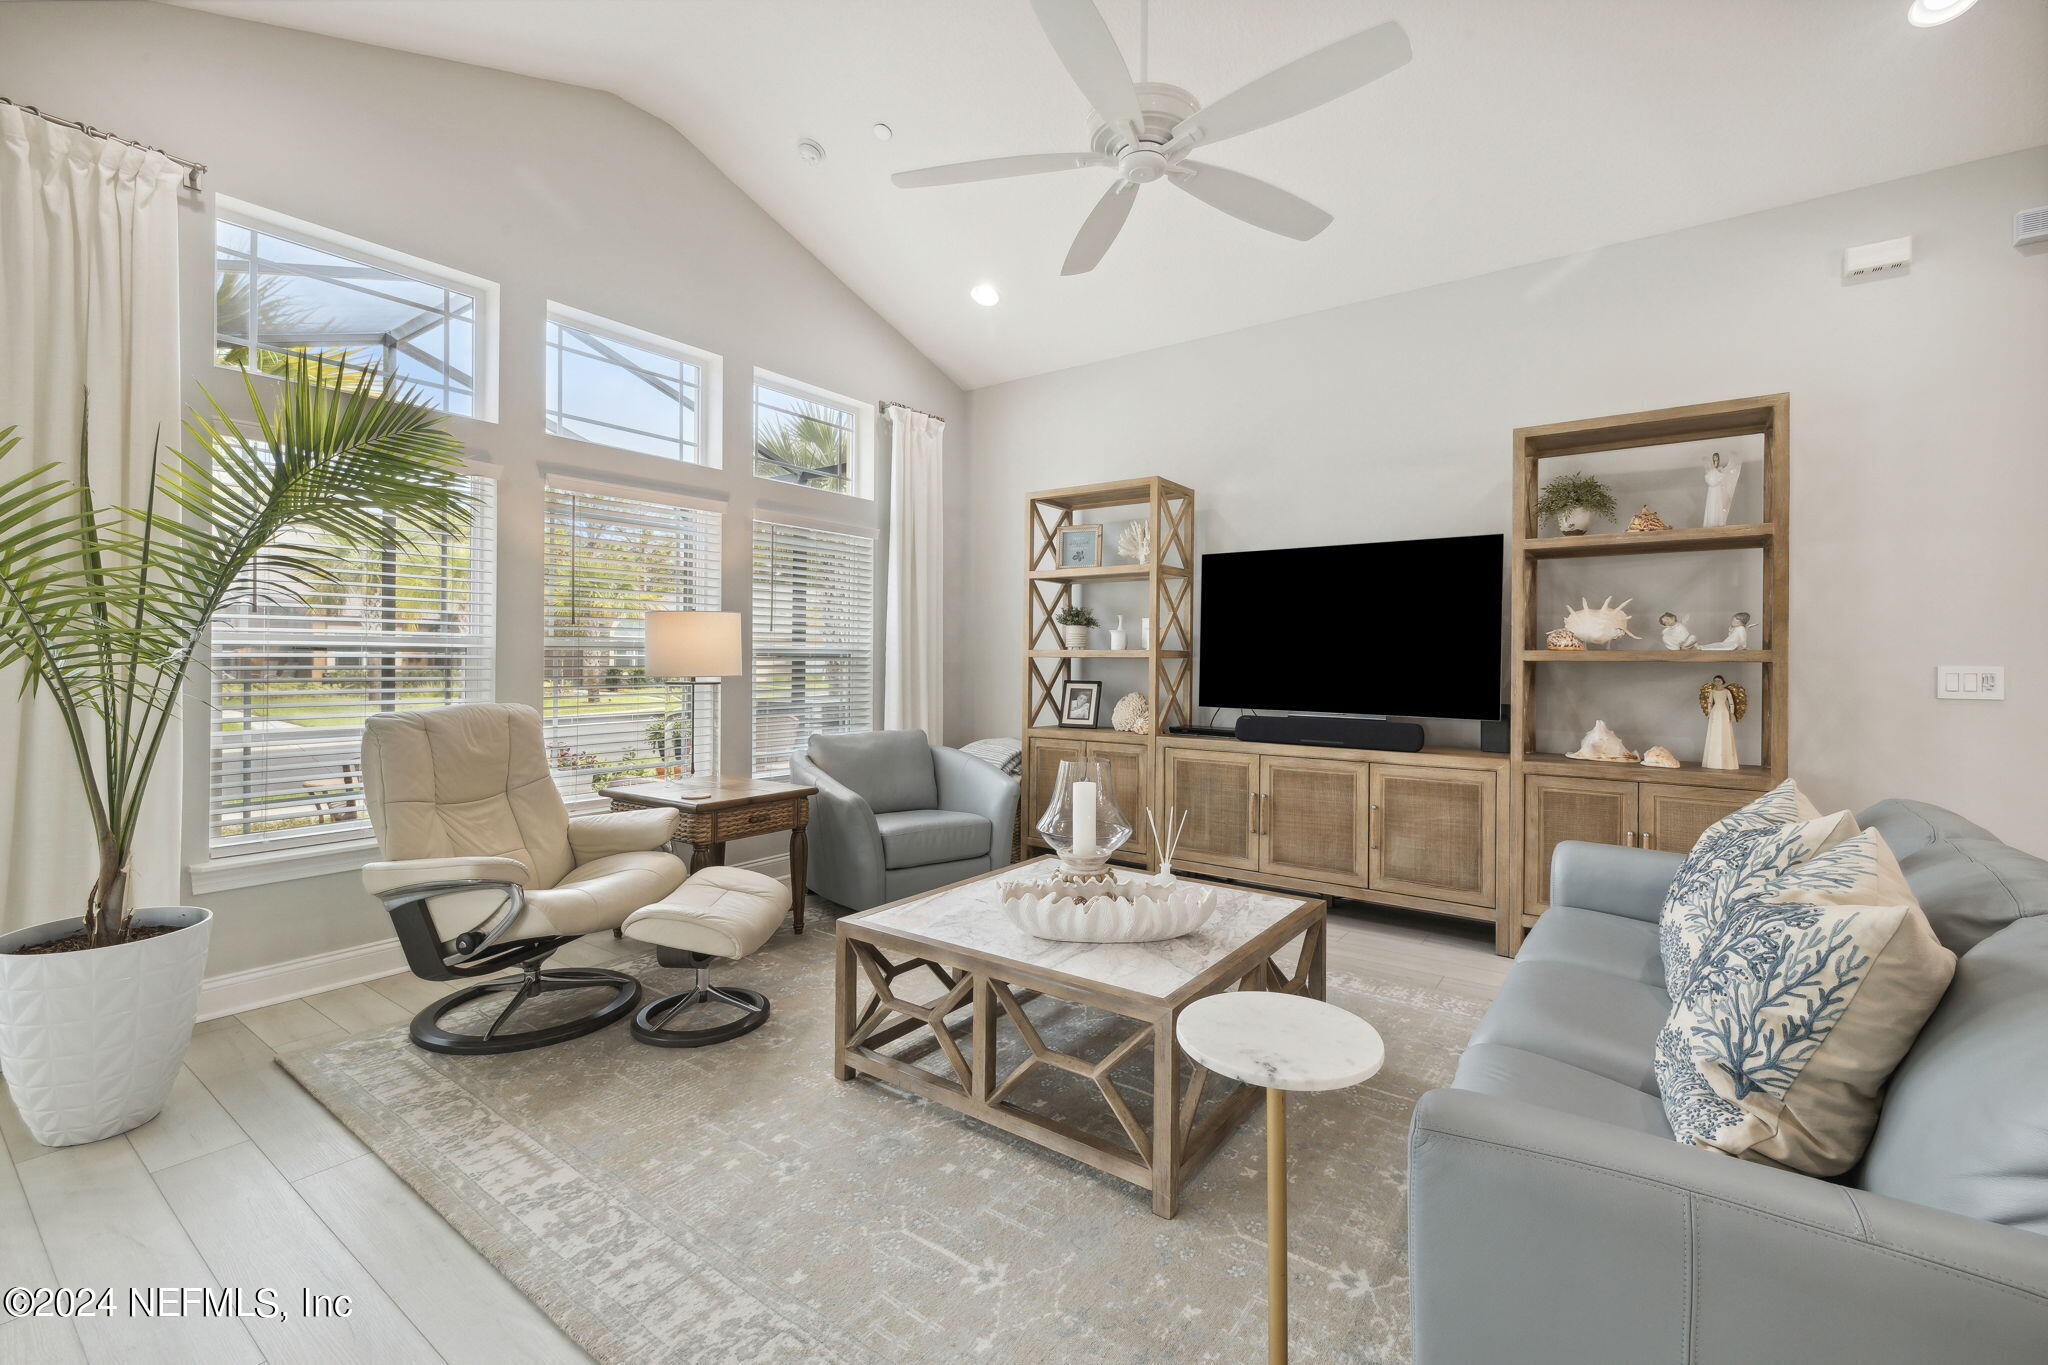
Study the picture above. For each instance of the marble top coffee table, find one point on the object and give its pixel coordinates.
(976, 972)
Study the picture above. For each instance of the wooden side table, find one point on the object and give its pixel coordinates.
(715, 809)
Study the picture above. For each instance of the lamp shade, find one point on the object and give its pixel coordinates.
(693, 644)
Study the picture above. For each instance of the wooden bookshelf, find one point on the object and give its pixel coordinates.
(1552, 797)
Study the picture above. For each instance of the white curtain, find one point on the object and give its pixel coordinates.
(913, 655)
(88, 303)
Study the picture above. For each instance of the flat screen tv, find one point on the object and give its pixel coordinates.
(1389, 628)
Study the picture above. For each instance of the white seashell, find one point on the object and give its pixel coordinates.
(1133, 713)
(1604, 746)
(1599, 625)
(1657, 756)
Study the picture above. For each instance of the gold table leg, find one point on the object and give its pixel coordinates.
(1276, 1226)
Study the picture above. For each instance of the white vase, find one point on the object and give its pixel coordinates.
(1076, 637)
(1573, 521)
(90, 1041)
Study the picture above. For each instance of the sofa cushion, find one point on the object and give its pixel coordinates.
(1735, 856)
(1965, 1122)
(1605, 1024)
(918, 838)
(1971, 888)
(1514, 1074)
(891, 769)
(1799, 1006)
(1615, 944)
(1909, 826)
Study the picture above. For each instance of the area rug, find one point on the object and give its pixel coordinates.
(737, 1203)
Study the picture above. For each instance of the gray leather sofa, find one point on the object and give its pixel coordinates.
(896, 814)
(1553, 1218)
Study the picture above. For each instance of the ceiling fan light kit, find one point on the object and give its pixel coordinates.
(1145, 130)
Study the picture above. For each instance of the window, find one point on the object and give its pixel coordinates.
(814, 637)
(619, 386)
(286, 287)
(405, 624)
(806, 436)
(609, 559)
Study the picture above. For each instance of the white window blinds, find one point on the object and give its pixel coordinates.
(404, 625)
(814, 637)
(611, 558)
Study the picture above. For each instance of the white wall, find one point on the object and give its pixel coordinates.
(553, 192)
(1919, 459)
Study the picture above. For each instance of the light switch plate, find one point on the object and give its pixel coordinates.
(1969, 682)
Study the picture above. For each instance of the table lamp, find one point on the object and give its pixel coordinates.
(694, 645)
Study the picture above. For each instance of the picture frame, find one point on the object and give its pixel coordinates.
(1080, 704)
(1080, 547)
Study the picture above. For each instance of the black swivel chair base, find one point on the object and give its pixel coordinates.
(532, 981)
(650, 1024)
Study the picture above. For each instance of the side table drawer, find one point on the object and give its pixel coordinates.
(741, 821)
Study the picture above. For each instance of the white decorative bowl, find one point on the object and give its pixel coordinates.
(1138, 910)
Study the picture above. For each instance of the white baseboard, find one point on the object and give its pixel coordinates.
(234, 992)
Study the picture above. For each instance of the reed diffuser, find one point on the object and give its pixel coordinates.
(1167, 843)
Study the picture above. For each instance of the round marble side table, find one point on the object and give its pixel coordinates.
(1282, 1042)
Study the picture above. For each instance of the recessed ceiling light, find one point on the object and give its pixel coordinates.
(1928, 13)
(985, 294)
(883, 132)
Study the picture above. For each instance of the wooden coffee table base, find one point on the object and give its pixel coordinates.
(979, 997)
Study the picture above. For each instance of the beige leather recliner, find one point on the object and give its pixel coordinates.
(485, 869)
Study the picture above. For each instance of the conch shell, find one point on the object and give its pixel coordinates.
(1602, 745)
(1561, 639)
(1599, 625)
(1657, 756)
(1646, 520)
(1133, 713)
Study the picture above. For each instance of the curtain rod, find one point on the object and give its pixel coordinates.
(919, 411)
(193, 169)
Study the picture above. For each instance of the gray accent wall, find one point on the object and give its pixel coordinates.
(555, 193)
(1920, 470)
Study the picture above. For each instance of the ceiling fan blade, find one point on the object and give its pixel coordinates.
(1105, 221)
(1084, 46)
(1298, 87)
(997, 168)
(1253, 200)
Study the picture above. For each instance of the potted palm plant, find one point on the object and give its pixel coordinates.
(104, 608)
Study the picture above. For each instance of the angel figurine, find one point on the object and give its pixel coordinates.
(1676, 636)
(1723, 703)
(1738, 634)
(1721, 477)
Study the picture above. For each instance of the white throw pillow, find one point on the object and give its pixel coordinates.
(1735, 857)
(1804, 998)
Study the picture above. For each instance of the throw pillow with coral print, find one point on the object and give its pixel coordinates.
(1737, 855)
(1802, 1001)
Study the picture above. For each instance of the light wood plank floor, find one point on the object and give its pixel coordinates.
(244, 1181)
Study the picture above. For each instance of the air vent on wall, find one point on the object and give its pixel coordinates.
(2030, 226)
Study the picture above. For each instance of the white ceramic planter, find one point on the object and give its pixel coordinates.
(91, 1041)
(1574, 521)
(1146, 909)
(1076, 637)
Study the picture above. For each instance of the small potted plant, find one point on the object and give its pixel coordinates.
(1573, 500)
(1075, 622)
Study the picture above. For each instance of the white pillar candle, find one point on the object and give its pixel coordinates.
(1084, 819)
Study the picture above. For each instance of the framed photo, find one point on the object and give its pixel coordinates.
(1079, 703)
(1081, 547)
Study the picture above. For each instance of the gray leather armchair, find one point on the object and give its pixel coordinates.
(1552, 1218)
(896, 814)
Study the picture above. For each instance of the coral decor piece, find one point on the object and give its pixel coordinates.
(1602, 745)
(1657, 756)
(1132, 714)
(1562, 639)
(1646, 520)
(1601, 625)
(1134, 542)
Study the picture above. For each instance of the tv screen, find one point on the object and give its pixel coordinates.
(1392, 628)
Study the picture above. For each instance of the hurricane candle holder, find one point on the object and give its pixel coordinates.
(1082, 822)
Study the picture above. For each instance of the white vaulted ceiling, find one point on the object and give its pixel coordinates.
(1523, 130)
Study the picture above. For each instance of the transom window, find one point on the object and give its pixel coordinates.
(810, 437)
(618, 386)
(283, 287)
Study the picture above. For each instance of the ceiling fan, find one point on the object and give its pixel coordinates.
(1145, 130)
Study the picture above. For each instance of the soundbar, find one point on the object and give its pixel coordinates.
(1332, 732)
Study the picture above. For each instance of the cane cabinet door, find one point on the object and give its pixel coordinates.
(1674, 817)
(1127, 769)
(1041, 775)
(1216, 790)
(1433, 832)
(1560, 808)
(1311, 819)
